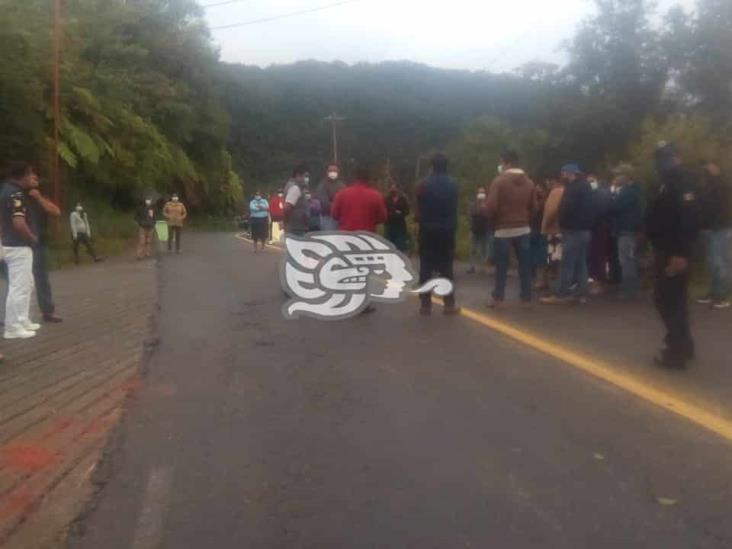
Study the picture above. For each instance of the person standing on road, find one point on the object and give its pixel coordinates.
(145, 218)
(18, 243)
(512, 203)
(715, 202)
(81, 233)
(325, 194)
(259, 220)
(315, 211)
(576, 219)
(175, 214)
(297, 210)
(626, 210)
(276, 215)
(397, 210)
(550, 226)
(480, 237)
(598, 252)
(359, 207)
(40, 208)
(672, 226)
(436, 216)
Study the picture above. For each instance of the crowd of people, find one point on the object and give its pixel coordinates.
(572, 236)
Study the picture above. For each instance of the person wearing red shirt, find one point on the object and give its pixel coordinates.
(276, 215)
(359, 207)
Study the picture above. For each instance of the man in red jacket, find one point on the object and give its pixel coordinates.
(359, 207)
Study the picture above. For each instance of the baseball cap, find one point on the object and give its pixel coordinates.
(571, 168)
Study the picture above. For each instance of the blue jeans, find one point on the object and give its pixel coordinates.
(628, 253)
(573, 269)
(480, 245)
(522, 247)
(717, 246)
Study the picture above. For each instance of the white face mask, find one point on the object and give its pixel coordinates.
(175, 199)
(79, 209)
(481, 196)
(148, 202)
(332, 176)
(307, 180)
(594, 184)
(500, 169)
(280, 195)
(258, 196)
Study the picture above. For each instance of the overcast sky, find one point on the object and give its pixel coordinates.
(496, 35)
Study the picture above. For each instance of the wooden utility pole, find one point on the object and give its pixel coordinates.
(55, 167)
(334, 119)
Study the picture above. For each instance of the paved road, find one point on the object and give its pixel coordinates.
(389, 430)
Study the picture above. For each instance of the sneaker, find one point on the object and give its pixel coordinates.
(553, 300)
(722, 304)
(32, 327)
(51, 318)
(19, 334)
(706, 300)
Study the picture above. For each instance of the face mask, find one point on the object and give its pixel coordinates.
(307, 180)
(148, 202)
(258, 196)
(481, 196)
(79, 209)
(307, 197)
(500, 169)
(332, 176)
(594, 184)
(280, 195)
(175, 199)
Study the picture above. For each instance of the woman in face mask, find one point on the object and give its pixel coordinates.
(397, 210)
(479, 232)
(259, 220)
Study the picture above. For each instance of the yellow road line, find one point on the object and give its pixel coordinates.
(604, 371)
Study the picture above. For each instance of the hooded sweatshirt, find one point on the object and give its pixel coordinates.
(512, 201)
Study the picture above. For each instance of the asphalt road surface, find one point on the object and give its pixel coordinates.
(388, 430)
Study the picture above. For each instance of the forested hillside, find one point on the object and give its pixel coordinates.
(147, 105)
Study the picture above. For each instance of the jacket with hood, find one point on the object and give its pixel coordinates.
(512, 200)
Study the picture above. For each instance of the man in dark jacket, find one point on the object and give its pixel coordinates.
(626, 210)
(576, 219)
(672, 222)
(145, 218)
(437, 201)
(715, 200)
(325, 194)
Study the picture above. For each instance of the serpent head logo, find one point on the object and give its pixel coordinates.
(333, 276)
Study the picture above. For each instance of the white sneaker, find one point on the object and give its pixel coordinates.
(20, 334)
(32, 327)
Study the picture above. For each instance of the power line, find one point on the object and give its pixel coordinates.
(216, 4)
(285, 15)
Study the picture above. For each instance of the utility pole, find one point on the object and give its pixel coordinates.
(334, 119)
(55, 168)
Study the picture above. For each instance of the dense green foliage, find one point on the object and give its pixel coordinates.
(139, 111)
(147, 105)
